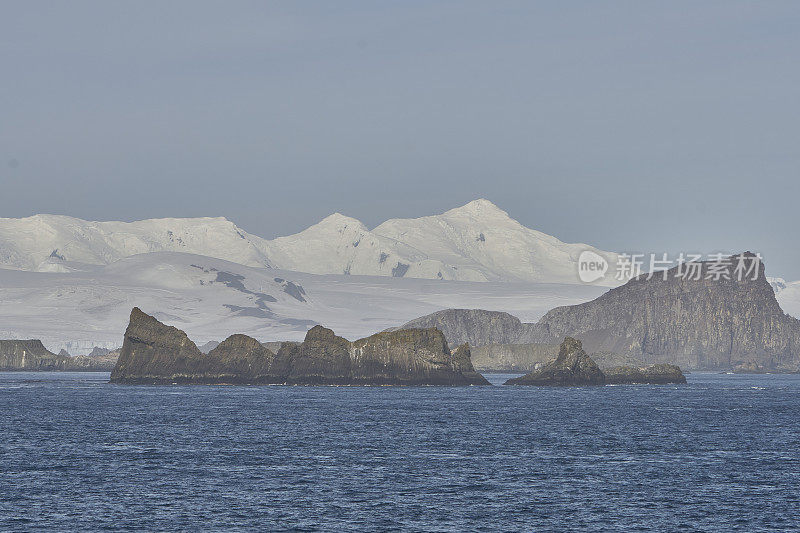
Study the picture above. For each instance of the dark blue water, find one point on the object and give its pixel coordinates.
(718, 454)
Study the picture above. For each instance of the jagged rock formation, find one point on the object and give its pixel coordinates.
(572, 367)
(703, 323)
(156, 353)
(31, 355)
(653, 375)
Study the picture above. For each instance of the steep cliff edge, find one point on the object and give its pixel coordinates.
(156, 353)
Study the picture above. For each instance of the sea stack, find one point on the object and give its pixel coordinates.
(153, 352)
(572, 367)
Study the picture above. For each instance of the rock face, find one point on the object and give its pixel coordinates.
(479, 327)
(606, 360)
(705, 323)
(156, 353)
(654, 375)
(31, 355)
(512, 357)
(572, 367)
(688, 317)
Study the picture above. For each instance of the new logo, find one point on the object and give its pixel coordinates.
(591, 266)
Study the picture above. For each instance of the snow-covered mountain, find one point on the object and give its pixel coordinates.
(475, 242)
(46, 243)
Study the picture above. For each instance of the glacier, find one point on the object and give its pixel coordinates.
(212, 298)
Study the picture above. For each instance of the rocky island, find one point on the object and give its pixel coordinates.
(573, 367)
(31, 355)
(154, 353)
(689, 316)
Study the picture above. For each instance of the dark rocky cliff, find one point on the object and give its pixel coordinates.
(695, 323)
(155, 353)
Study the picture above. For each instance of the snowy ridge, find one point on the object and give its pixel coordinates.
(211, 299)
(475, 242)
(46, 242)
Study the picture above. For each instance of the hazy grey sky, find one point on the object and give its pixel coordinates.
(629, 125)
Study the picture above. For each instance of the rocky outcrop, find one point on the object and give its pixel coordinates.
(689, 318)
(572, 367)
(31, 355)
(153, 352)
(462, 362)
(653, 375)
(156, 353)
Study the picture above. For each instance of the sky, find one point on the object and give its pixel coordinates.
(632, 126)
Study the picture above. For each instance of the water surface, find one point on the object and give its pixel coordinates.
(718, 454)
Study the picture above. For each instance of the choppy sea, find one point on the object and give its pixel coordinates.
(719, 454)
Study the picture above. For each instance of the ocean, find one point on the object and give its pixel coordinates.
(719, 454)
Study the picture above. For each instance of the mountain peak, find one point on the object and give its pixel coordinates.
(338, 221)
(478, 208)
